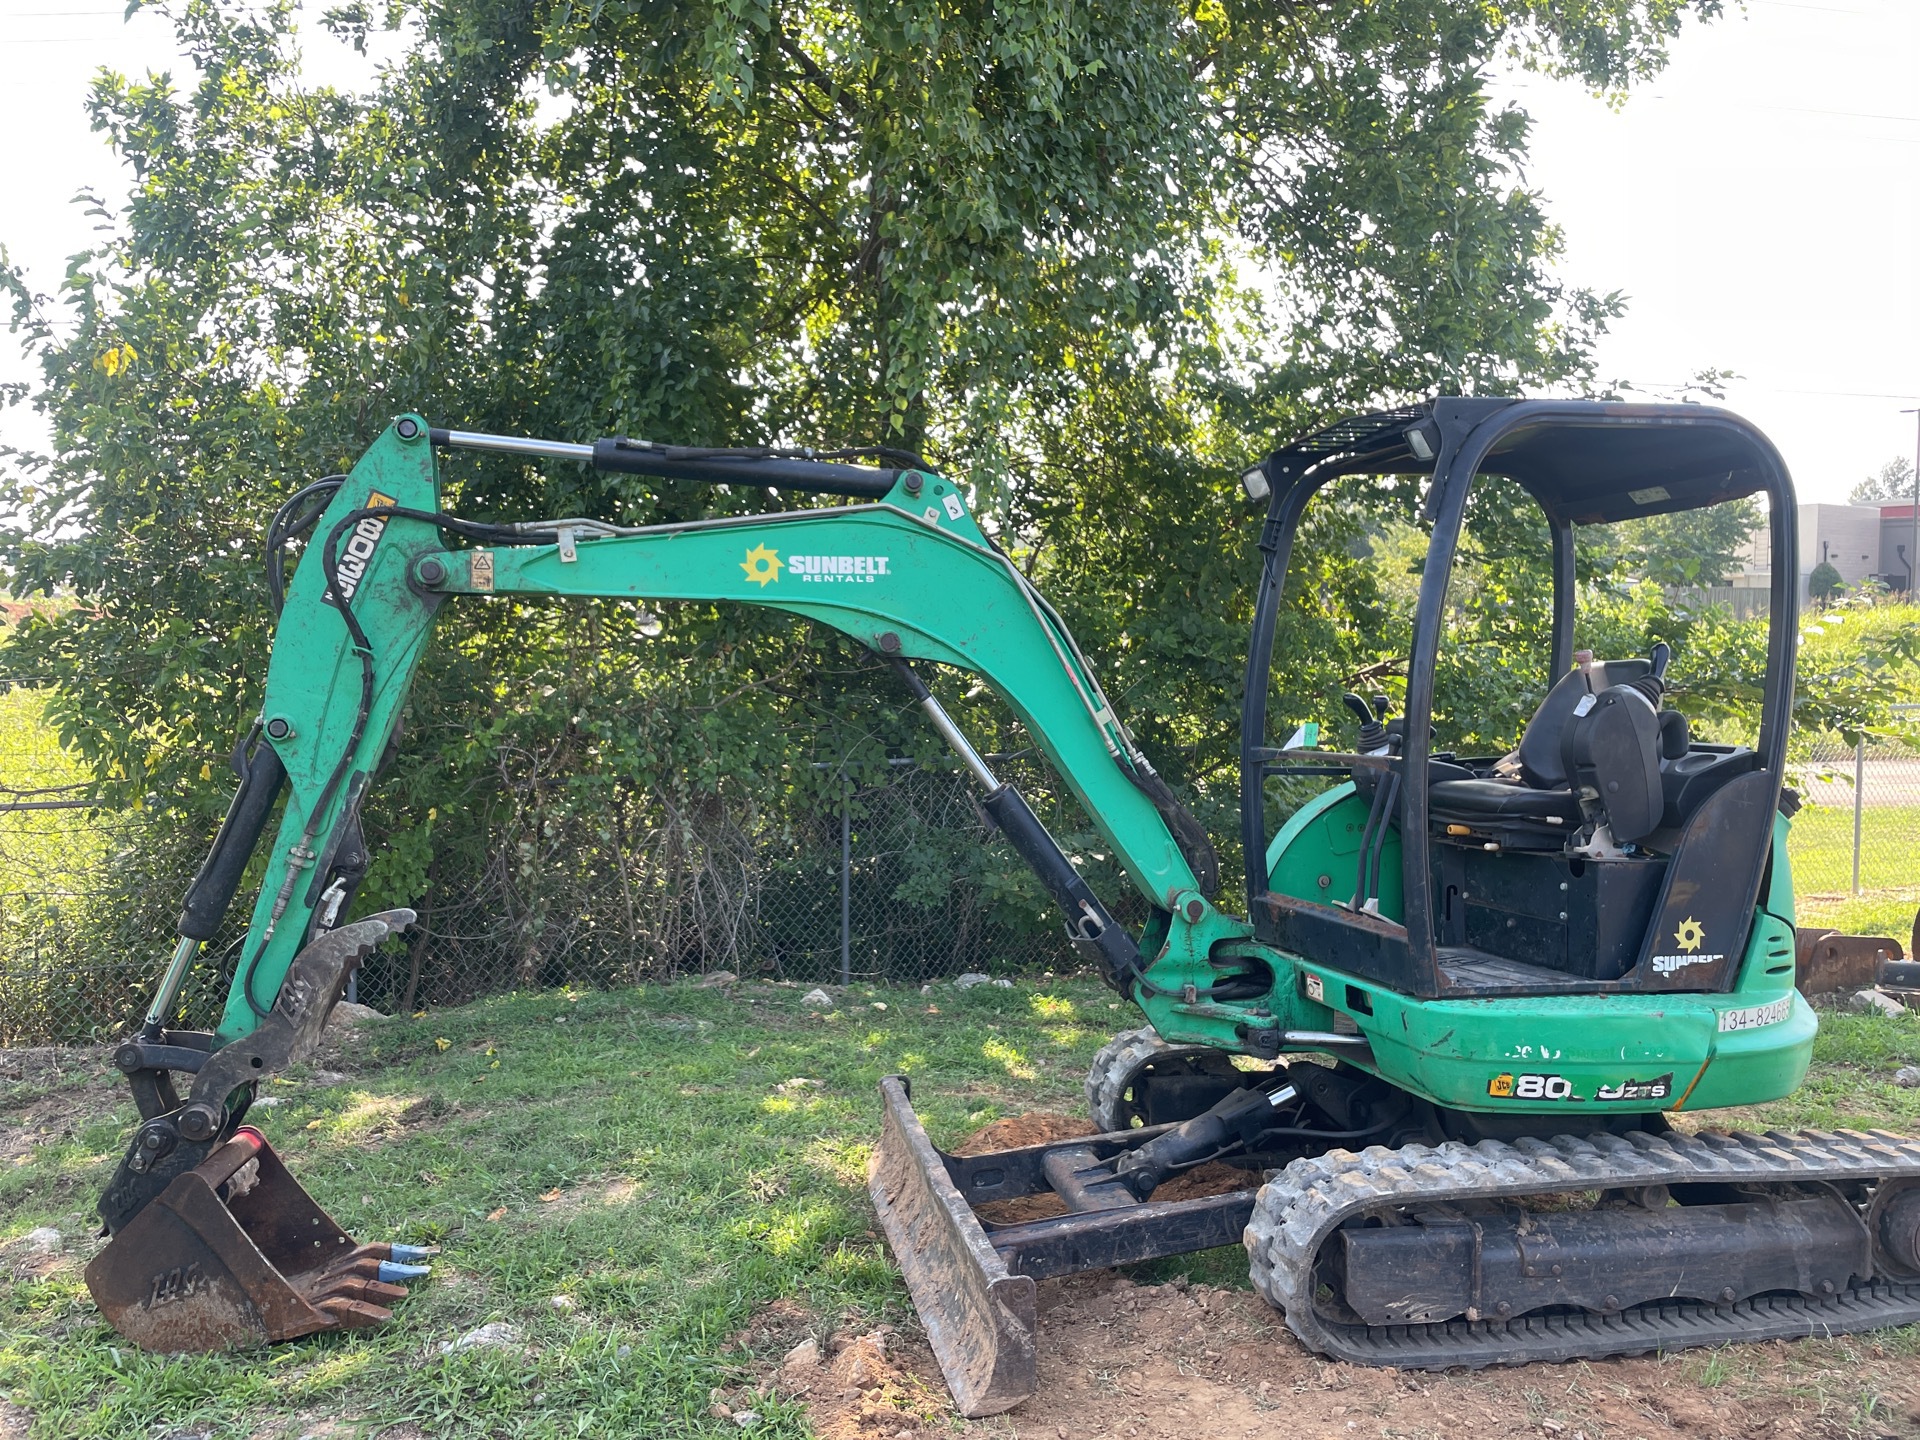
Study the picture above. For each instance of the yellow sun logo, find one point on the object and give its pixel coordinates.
(762, 565)
(1690, 935)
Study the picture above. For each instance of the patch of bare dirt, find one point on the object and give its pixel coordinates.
(1213, 1178)
(1183, 1361)
(775, 1329)
(594, 1195)
(1187, 1362)
(1013, 1132)
(857, 1387)
(1041, 1128)
(48, 1093)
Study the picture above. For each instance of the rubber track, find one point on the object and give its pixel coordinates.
(1119, 1060)
(1302, 1206)
(1113, 1067)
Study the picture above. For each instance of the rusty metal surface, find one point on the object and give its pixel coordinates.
(293, 1027)
(1826, 961)
(979, 1317)
(234, 1253)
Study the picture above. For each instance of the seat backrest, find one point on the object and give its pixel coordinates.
(1612, 759)
(1541, 765)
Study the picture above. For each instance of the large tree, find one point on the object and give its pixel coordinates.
(1088, 257)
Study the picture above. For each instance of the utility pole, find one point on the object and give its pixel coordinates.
(1913, 544)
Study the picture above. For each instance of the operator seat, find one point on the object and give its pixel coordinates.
(1607, 739)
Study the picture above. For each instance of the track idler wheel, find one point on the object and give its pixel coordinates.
(1139, 1079)
(1896, 1227)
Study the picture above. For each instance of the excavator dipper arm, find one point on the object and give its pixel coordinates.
(907, 572)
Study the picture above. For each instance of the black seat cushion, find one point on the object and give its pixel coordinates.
(1481, 800)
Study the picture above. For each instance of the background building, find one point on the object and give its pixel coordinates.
(1862, 542)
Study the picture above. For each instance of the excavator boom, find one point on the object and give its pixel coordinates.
(907, 572)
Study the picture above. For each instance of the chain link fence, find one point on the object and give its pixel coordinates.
(886, 883)
(1859, 832)
(869, 891)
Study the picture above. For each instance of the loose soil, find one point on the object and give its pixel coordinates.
(1015, 1131)
(1182, 1361)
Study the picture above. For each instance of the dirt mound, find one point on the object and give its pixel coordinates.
(1040, 1128)
(1015, 1131)
(862, 1394)
(1212, 1178)
(774, 1328)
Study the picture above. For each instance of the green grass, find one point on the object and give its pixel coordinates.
(1880, 912)
(1850, 1084)
(693, 1190)
(1821, 844)
(45, 857)
(694, 1185)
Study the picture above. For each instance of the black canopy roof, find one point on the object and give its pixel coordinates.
(1583, 461)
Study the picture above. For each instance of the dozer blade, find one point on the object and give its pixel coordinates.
(234, 1253)
(979, 1317)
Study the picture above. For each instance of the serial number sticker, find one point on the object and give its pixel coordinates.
(1756, 1016)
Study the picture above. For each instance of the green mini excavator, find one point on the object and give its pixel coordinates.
(1443, 1041)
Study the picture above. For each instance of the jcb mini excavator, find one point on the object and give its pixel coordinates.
(1467, 993)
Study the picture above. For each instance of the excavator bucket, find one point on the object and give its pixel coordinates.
(230, 1251)
(1827, 962)
(979, 1316)
(234, 1253)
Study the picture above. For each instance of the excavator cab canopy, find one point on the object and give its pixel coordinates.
(1553, 869)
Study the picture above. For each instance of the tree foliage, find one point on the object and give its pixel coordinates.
(1889, 485)
(1088, 257)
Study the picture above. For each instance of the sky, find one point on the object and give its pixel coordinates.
(1758, 204)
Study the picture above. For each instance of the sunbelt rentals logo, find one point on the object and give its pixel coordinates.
(763, 566)
(351, 565)
(1688, 939)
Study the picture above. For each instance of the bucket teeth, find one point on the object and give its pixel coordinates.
(345, 1314)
